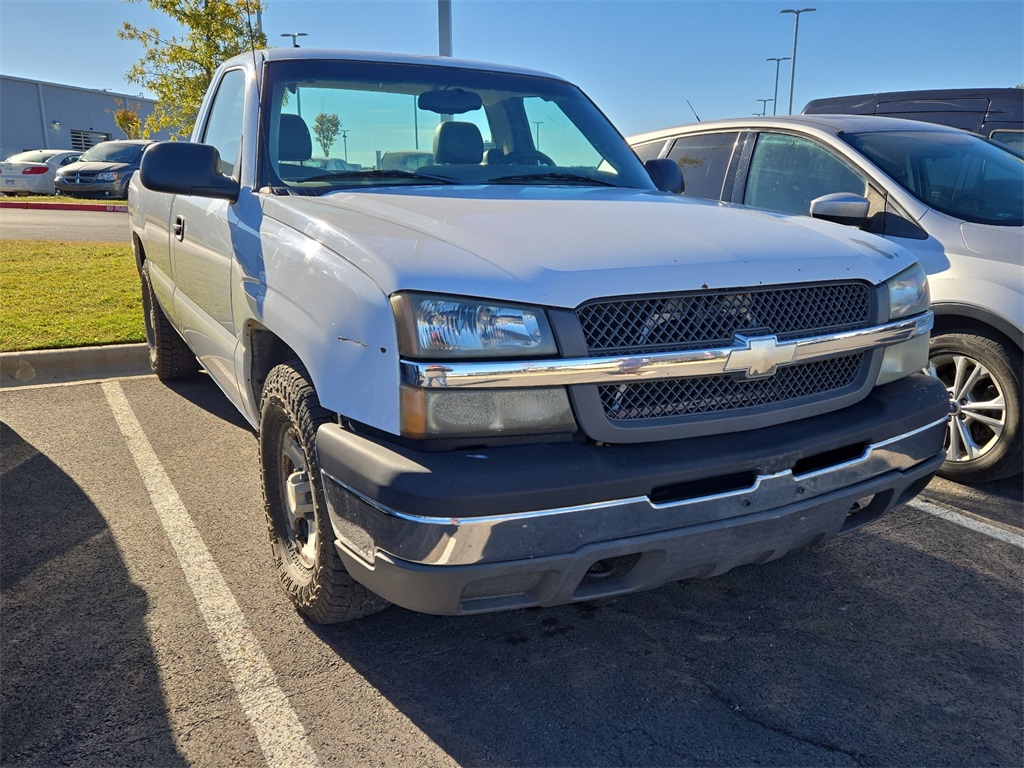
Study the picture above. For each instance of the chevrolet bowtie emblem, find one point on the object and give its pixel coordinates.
(759, 357)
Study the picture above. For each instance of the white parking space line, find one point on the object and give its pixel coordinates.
(277, 727)
(968, 521)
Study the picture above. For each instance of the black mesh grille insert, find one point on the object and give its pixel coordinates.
(715, 394)
(711, 319)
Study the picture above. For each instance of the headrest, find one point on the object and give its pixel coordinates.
(460, 143)
(293, 141)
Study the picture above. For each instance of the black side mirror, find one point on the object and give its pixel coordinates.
(185, 168)
(665, 174)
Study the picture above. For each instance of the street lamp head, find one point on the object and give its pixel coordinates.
(777, 58)
(293, 36)
(802, 10)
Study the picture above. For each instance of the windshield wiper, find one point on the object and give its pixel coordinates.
(553, 176)
(375, 175)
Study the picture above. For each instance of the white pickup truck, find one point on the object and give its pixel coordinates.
(517, 371)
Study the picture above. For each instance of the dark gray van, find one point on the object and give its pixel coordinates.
(996, 113)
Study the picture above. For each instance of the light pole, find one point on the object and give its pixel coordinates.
(444, 27)
(536, 140)
(344, 138)
(764, 106)
(796, 32)
(298, 98)
(777, 60)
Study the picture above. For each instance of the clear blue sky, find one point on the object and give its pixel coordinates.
(640, 60)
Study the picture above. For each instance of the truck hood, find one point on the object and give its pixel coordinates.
(559, 246)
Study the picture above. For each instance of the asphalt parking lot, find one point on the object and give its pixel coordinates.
(142, 625)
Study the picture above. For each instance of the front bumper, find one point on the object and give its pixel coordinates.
(91, 189)
(491, 529)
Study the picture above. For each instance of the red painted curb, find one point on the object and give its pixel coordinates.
(120, 208)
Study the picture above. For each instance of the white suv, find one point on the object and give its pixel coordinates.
(952, 198)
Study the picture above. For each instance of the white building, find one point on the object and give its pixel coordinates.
(38, 115)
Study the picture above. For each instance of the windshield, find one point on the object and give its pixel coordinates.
(113, 152)
(352, 125)
(961, 175)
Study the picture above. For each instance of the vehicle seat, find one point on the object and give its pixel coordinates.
(294, 145)
(457, 143)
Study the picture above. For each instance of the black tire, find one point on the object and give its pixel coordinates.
(169, 356)
(301, 535)
(983, 378)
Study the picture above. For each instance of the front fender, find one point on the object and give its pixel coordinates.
(336, 319)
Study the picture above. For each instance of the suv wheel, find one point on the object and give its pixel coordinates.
(983, 378)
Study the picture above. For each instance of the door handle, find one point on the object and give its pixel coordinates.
(179, 227)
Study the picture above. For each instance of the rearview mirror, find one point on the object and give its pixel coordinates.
(453, 101)
(841, 208)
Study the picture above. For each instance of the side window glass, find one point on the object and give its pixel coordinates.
(224, 125)
(704, 161)
(787, 172)
(650, 150)
(1012, 139)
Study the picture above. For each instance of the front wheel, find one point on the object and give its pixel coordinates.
(301, 535)
(983, 379)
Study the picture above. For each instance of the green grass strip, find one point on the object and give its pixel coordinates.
(74, 294)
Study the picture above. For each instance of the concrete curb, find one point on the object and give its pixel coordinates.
(107, 207)
(61, 366)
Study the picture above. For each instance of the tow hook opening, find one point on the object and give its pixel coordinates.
(603, 574)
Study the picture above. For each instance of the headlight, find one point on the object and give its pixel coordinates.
(450, 327)
(908, 293)
(107, 176)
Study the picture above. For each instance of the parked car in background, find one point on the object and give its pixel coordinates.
(333, 164)
(32, 172)
(405, 160)
(996, 113)
(953, 198)
(103, 170)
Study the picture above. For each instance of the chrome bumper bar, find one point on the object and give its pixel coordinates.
(754, 356)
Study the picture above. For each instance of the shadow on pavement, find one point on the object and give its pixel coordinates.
(863, 651)
(80, 685)
(201, 391)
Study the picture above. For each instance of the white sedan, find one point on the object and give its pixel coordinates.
(32, 172)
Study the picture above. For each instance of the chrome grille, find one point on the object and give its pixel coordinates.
(715, 394)
(712, 318)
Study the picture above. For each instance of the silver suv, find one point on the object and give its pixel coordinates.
(954, 199)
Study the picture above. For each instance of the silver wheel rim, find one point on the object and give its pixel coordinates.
(300, 515)
(976, 404)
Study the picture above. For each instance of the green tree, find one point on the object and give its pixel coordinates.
(178, 70)
(126, 117)
(326, 129)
